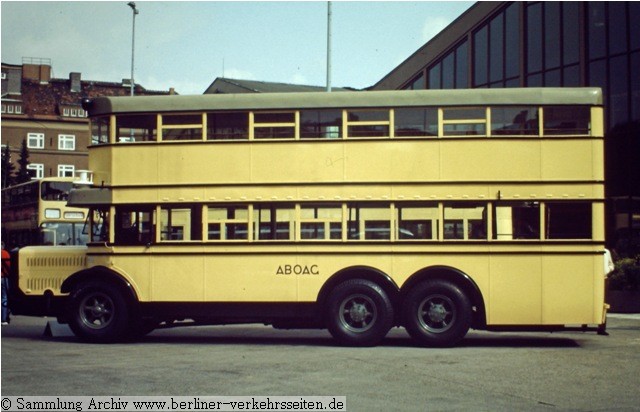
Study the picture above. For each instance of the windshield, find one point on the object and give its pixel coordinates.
(61, 234)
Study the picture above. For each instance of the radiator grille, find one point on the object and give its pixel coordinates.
(56, 261)
(36, 284)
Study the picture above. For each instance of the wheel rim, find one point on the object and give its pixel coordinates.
(437, 313)
(97, 310)
(358, 313)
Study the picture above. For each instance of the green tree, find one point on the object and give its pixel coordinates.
(8, 169)
(24, 174)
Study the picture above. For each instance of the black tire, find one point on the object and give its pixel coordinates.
(98, 312)
(359, 313)
(437, 313)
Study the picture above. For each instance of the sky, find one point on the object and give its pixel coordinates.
(186, 45)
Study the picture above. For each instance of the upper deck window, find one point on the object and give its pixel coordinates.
(227, 125)
(182, 127)
(514, 121)
(274, 125)
(368, 123)
(136, 128)
(464, 121)
(321, 124)
(567, 120)
(55, 190)
(415, 121)
(100, 130)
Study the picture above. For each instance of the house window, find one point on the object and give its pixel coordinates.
(66, 142)
(37, 170)
(35, 140)
(66, 170)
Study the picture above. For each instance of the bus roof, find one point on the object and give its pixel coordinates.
(363, 99)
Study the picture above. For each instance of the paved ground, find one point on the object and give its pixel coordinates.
(489, 371)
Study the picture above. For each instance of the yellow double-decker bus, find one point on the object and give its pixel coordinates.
(438, 211)
(36, 213)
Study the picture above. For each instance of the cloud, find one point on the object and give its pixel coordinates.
(299, 78)
(433, 26)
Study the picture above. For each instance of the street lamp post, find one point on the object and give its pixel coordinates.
(328, 46)
(133, 41)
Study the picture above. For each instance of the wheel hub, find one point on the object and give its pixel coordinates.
(98, 309)
(358, 312)
(437, 312)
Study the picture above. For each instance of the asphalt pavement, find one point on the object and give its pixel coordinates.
(489, 371)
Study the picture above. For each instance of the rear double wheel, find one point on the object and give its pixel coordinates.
(98, 312)
(437, 313)
(359, 313)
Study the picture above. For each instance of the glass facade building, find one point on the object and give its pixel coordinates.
(549, 44)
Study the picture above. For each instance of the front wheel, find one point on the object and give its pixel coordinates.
(437, 313)
(98, 312)
(359, 313)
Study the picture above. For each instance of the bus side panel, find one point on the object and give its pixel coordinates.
(568, 288)
(391, 161)
(581, 166)
(247, 278)
(177, 278)
(490, 161)
(515, 290)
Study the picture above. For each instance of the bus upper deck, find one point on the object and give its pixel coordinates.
(365, 138)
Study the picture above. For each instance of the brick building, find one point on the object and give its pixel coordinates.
(47, 113)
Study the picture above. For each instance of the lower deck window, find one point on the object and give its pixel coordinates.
(465, 222)
(418, 222)
(320, 222)
(517, 221)
(134, 226)
(273, 222)
(182, 224)
(568, 221)
(346, 222)
(228, 223)
(369, 222)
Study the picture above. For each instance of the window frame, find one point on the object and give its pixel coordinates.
(35, 140)
(39, 170)
(65, 140)
(64, 170)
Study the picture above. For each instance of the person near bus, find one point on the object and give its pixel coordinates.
(6, 265)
